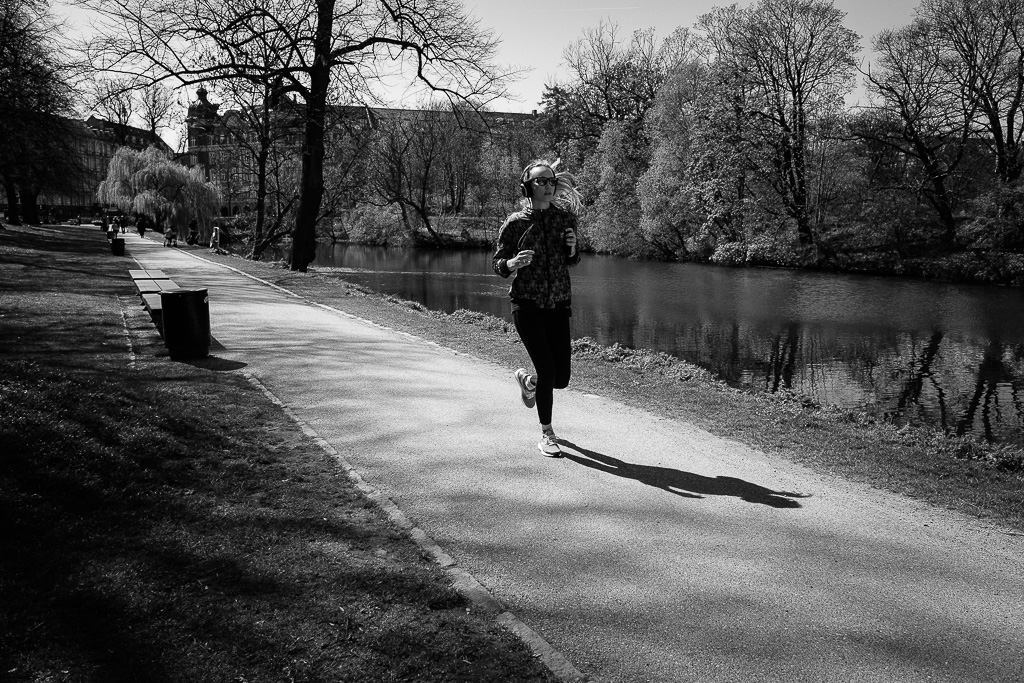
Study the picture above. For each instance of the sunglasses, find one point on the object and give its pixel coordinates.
(544, 180)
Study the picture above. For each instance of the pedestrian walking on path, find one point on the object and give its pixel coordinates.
(536, 246)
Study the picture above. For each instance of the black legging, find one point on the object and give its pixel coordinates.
(545, 334)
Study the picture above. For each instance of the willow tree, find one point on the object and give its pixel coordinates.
(349, 49)
(152, 184)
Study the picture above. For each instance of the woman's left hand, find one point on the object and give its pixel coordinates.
(570, 240)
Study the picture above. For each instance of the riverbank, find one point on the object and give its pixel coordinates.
(956, 473)
(968, 266)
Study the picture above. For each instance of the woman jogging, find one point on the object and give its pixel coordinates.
(536, 246)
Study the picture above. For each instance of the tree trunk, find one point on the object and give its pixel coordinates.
(939, 199)
(805, 230)
(261, 198)
(945, 210)
(312, 189)
(406, 221)
(30, 206)
(13, 208)
(424, 215)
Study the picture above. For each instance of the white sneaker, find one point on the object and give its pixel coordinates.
(528, 395)
(549, 445)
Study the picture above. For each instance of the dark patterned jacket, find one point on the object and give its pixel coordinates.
(545, 282)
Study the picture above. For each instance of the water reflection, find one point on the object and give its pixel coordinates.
(947, 355)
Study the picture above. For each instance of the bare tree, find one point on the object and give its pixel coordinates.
(408, 158)
(919, 111)
(262, 122)
(324, 47)
(797, 58)
(157, 104)
(349, 143)
(610, 79)
(114, 100)
(983, 43)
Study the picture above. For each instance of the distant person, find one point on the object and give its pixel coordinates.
(171, 237)
(215, 238)
(536, 246)
(192, 238)
(140, 225)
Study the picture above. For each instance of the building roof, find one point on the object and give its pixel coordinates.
(129, 135)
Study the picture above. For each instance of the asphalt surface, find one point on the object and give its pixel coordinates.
(652, 552)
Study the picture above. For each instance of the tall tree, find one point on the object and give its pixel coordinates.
(696, 194)
(611, 223)
(156, 107)
(36, 142)
(330, 47)
(797, 58)
(983, 43)
(609, 80)
(595, 119)
(920, 112)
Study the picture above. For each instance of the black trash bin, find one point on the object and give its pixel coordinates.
(186, 322)
(117, 246)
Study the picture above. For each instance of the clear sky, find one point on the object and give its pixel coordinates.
(534, 33)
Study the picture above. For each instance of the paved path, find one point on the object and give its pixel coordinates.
(653, 552)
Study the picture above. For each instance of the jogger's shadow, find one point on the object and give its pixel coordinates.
(686, 484)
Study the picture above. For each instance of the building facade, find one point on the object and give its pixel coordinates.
(225, 145)
(95, 141)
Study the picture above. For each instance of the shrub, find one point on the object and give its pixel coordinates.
(730, 254)
(368, 224)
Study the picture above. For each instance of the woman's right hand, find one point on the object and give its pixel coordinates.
(523, 258)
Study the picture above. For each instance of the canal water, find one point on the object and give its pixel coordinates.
(921, 352)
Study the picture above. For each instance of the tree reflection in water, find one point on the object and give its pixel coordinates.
(961, 388)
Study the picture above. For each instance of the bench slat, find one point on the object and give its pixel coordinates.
(143, 274)
(147, 286)
(154, 286)
(152, 302)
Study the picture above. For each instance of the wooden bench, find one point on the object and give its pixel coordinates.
(149, 283)
(146, 286)
(155, 309)
(151, 274)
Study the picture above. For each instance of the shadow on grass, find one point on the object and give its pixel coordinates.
(63, 259)
(216, 364)
(682, 483)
